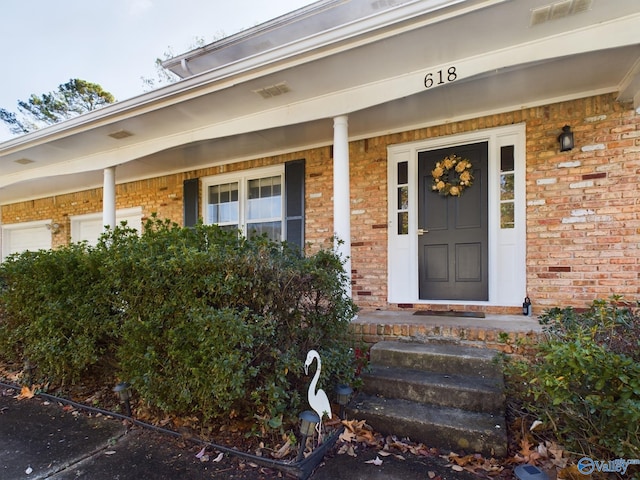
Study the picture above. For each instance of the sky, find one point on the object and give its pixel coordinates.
(44, 43)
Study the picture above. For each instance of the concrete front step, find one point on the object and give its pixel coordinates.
(444, 395)
(468, 392)
(442, 427)
(439, 358)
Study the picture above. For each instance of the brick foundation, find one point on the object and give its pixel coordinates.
(477, 336)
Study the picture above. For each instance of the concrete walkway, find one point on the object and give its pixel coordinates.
(44, 440)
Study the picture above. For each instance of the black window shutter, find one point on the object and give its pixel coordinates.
(190, 191)
(294, 201)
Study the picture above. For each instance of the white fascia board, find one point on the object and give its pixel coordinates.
(266, 63)
(603, 36)
(405, 9)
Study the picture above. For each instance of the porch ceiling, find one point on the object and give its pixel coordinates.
(375, 76)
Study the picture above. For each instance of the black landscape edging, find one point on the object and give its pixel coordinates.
(302, 469)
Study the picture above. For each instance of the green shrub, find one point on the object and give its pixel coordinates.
(199, 361)
(584, 380)
(277, 305)
(219, 324)
(198, 320)
(56, 312)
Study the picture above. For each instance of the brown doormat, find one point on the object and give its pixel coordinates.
(449, 313)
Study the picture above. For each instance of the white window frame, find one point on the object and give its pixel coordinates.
(242, 178)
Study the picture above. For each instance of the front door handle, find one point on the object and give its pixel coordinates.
(422, 231)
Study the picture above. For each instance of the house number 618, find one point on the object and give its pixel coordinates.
(440, 77)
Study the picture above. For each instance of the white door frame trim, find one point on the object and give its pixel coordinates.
(507, 247)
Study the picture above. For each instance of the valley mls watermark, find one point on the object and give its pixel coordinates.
(586, 465)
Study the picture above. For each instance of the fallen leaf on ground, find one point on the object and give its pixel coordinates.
(529, 455)
(283, 451)
(200, 454)
(473, 463)
(542, 450)
(348, 449)
(422, 451)
(553, 454)
(347, 436)
(393, 442)
(461, 461)
(353, 425)
(367, 437)
(25, 392)
(535, 424)
(525, 447)
(571, 473)
(218, 458)
(375, 461)
(333, 422)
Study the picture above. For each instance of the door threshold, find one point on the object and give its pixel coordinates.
(449, 313)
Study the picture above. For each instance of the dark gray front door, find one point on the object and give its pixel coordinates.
(453, 249)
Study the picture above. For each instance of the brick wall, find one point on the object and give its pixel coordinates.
(583, 206)
(583, 210)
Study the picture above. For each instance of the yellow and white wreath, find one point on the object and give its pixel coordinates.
(452, 176)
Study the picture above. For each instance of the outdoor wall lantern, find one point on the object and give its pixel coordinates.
(566, 139)
(54, 227)
(124, 392)
(343, 394)
(308, 422)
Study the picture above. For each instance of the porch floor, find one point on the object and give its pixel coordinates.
(497, 331)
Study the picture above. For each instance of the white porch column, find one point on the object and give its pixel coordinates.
(109, 197)
(341, 194)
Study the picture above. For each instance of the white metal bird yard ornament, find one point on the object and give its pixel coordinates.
(318, 400)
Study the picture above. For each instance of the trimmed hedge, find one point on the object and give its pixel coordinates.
(583, 380)
(197, 320)
(56, 312)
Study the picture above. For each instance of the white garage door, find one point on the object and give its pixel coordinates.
(19, 237)
(89, 227)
